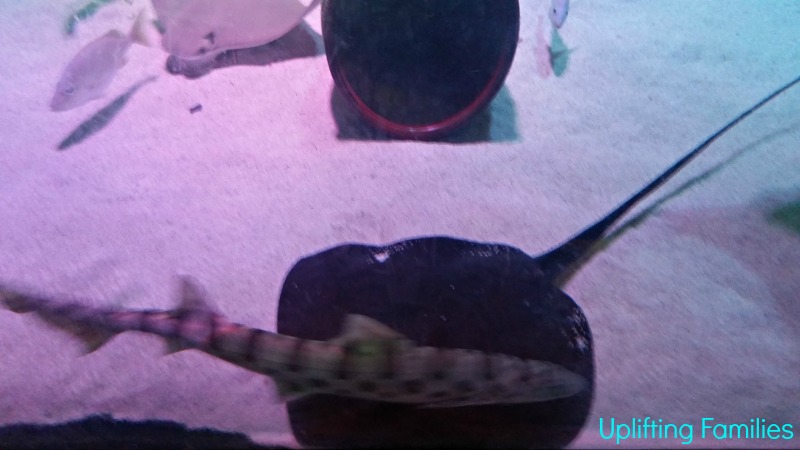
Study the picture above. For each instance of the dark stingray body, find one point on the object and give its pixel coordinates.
(442, 292)
(448, 292)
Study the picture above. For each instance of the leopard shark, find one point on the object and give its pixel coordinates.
(368, 360)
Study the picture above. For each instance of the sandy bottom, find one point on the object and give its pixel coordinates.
(694, 312)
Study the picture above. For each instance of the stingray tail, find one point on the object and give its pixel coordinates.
(564, 259)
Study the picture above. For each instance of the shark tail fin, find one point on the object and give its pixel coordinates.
(15, 302)
(75, 319)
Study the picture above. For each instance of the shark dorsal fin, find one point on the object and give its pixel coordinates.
(192, 295)
(191, 302)
(358, 328)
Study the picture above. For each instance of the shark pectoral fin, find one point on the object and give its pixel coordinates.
(93, 339)
(359, 328)
(175, 346)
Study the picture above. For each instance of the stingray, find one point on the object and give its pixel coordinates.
(448, 292)
(195, 32)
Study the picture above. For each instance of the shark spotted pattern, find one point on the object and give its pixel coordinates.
(368, 360)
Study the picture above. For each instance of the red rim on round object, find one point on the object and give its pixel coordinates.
(419, 69)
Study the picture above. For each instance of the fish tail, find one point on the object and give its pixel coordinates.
(83, 322)
(93, 326)
(16, 302)
(138, 32)
(188, 326)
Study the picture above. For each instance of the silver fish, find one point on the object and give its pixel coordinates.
(89, 73)
(199, 30)
(368, 360)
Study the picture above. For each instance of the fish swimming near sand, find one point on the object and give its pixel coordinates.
(197, 31)
(91, 71)
(368, 360)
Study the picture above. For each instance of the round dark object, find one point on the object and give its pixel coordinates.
(418, 69)
(448, 293)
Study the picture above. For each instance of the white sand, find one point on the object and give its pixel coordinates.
(694, 313)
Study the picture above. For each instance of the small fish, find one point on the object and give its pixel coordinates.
(558, 12)
(199, 30)
(91, 71)
(368, 360)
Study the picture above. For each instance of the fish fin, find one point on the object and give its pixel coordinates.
(91, 337)
(159, 26)
(288, 391)
(139, 30)
(563, 384)
(359, 328)
(16, 302)
(192, 300)
(192, 295)
(282, 391)
(175, 346)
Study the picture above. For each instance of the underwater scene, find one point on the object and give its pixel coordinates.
(399, 223)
